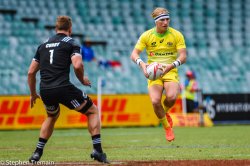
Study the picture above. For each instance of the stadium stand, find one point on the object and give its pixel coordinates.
(217, 36)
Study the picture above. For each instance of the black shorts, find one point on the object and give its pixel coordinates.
(70, 96)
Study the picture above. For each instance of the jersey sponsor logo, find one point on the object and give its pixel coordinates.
(163, 53)
(49, 45)
(151, 54)
(160, 54)
(169, 44)
(153, 44)
(66, 39)
(75, 103)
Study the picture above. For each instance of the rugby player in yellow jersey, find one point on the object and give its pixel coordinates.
(164, 45)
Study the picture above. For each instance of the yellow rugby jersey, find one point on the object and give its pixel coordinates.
(161, 48)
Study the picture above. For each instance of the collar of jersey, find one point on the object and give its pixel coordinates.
(159, 34)
(61, 34)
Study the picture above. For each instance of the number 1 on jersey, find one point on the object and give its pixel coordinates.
(51, 56)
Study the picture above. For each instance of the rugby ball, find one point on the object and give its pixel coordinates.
(154, 70)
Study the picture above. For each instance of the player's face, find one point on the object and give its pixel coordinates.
(162, 24)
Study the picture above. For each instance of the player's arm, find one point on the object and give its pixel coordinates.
(77, 63)
(179, 61)
(33, 69)
(182, 55)
(135, 57)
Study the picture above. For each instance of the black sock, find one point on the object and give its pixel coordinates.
(40, 145)
(96, 140)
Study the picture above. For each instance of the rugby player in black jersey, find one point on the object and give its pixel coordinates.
(53, 58)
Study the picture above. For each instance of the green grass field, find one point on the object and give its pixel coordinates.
(146, 143)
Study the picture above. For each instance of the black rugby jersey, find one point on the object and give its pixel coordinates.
(54, 58)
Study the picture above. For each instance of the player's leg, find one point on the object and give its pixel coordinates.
(172, 90)
(80, 102)
(94, 127)
(93, 123)
(48, 125)
(50, 100)
(155, 93)
(46, 131)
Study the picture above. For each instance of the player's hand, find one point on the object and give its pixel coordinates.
(144, 69)
(86, 81)
(33, 99)
(166, 69)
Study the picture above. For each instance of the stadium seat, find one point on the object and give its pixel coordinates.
(215, 38)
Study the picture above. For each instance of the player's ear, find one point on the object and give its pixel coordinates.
(70, 31)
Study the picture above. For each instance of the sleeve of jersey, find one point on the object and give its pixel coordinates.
(76, 48)
(37, 56)
(141, 43)
(180, 41)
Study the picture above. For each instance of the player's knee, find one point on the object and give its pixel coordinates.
(156, 102)
(87, 105)
(169, 101)
(53, 118)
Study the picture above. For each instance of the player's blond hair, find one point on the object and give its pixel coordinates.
(159, 10)
(63, 23)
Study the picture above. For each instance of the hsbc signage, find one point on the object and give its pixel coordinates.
(228, 108)
(233, 107)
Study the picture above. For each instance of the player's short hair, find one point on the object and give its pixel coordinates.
(63, 23)
(158, 11)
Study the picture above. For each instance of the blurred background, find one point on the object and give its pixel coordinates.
(217, 37)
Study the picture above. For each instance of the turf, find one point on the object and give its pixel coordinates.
(144, 143)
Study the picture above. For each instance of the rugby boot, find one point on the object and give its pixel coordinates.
(169, 134)
(101, 157)
(35, 157)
